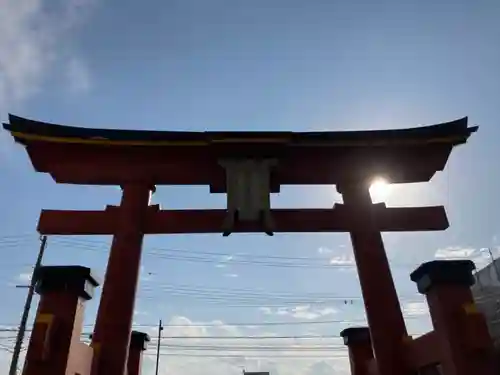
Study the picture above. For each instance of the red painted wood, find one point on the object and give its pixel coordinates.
(360, 350)
(339, 219)
(135, 356)
(114, 317)
(383, 311)
(137, 168)
(360, 356)
(424, 350)
(134, 364)
(70, 163)
(459, 356)
(50, 343)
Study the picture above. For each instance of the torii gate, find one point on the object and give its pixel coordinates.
(248, 166)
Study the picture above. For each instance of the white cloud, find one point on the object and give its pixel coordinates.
(343, 260)
(325, 368)
(199, 354)
(455, 252)
(224, 260)
(232, 275)
(307, 315)
(415, 309)
(31, 37)
(324, 250)
(327, 311)
(266, 310)
(480, 256)
(26, 277)
(77, 75)
(145, 276)
(344, 263)
(305, 312)
(340, 257)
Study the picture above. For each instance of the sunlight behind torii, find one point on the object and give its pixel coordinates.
(380, 189)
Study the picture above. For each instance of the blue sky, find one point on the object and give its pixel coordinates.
(250, 65)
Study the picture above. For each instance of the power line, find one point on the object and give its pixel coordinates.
(251, 347)
(228, 348)
(233, 324)
(180, 291)
(253, 259)
(254, 324)
(250, 296)
(160, 253)
(160, 250)
(223, 303)
(243, 337)
(245, 291)
(246, 356)
(302, 337)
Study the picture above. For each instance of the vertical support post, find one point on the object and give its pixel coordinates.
(383, 311)
(466, 346)
(357, 340)
(63, 290)
(138, 344)
(111, 338)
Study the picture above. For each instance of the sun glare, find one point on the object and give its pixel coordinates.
(380, 189)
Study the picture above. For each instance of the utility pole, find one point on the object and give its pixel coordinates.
(27, 305)
(494, 263)
(160, 328)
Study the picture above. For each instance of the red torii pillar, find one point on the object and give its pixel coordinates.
(111, 338)
(383, 311)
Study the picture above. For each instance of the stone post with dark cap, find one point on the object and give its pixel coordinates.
(138, 344)
(358, 342)
(464, 341)
(58, 323)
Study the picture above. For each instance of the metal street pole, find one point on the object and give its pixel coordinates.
(494, 263)
(160, 328)
(27, 305)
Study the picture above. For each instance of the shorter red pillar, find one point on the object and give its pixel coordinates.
(358, 341)
(138, 344)
(463, 339)
(58, 322)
